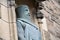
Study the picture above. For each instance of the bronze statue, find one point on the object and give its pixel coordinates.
(26, 29)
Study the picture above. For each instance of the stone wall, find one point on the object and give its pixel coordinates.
(8, 29)
(51, 11)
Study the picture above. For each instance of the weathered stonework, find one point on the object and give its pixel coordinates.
(51, 11)
(50, 27)
(8, 30)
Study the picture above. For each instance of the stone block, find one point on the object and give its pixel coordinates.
(12, 14)
(4, 30)
(3, 2)
(4, 13)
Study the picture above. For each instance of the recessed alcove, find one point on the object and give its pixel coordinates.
(30, 3)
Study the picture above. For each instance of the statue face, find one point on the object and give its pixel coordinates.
(26, 11)
(23, 12)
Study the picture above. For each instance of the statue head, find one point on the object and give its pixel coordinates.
(23, 12)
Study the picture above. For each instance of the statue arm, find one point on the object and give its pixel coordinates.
(20, 31)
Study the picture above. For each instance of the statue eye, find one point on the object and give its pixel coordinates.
(26, 10)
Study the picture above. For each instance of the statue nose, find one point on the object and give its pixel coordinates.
(29, 14)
